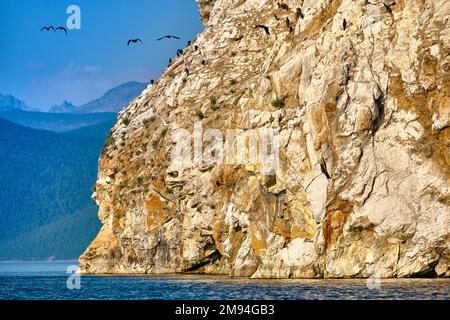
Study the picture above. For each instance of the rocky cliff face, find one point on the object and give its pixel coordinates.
(357, 95)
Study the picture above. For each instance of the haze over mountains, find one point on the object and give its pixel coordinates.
(113, 100)
(48, 163)
(10, 103)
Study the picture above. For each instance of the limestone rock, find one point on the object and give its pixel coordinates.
(359, 185)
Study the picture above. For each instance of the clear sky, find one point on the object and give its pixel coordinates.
(45, 68)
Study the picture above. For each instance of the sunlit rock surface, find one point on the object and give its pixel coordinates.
(358, 90)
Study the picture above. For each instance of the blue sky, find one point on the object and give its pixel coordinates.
(45, 68)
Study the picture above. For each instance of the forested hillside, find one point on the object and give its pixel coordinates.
(46, 180)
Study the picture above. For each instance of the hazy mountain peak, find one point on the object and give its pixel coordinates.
(65, 107)
(115, 99)
(9, 102)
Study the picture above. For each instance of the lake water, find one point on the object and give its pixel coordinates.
(48, 280)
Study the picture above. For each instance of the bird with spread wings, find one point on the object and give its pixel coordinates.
(134, 41)
(168, 37)
(47, 28)
(61, 28)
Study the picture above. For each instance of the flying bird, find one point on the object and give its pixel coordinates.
(133, 41)
(47, 28)
(61, 28)
(266, 29)
(168, 37)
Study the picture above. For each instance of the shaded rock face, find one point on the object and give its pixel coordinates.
(358, 91)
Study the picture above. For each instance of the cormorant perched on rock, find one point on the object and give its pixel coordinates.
(266, 29)
(170, 60)
(196, 48)
(152, 81)
(282, 5)
(344, 24)
(388, 9)
(299, 13)
(189, 43)
(323, 168)
(179, 52)
(203, 62)
(186, 70)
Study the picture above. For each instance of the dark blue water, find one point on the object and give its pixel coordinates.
(48, 280)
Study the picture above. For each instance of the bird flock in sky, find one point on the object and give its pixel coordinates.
(54, 29)
(131, 41)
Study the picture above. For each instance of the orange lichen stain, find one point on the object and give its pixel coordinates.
(297, 232)
(281, 226)
(157, 212)
(258, 242)
(228, 177)
(320, 127)
(432, 145)
(319, 21)
(337, 214)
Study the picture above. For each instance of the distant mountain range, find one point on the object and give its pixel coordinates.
(10, 103)
(113, 100)
(65, 107)
(57, 122)
(48, 164)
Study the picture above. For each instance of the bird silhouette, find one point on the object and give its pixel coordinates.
(152, 81)
(288, 22)
(196, 48)
(170, 60)
(299, 13)
(387, 7)
(179, 52)
(168, 37)
(283, 6)
(203, 62)
(133, 41)
(189, 43)
(61, 28)
(186, 70)
(323, 168)
(344, 24)
(266, 29)
(47, 28)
